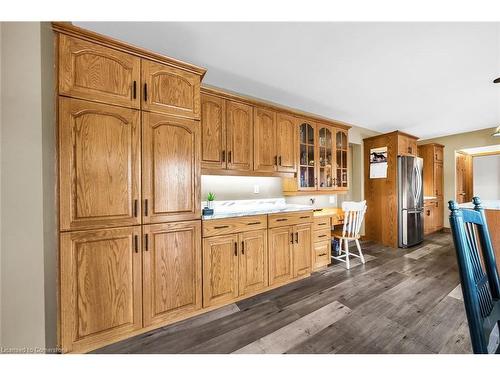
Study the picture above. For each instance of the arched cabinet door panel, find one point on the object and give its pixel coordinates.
(286, 143)
(213, 132)
(100, 74)
(170, 90)
(239, 125)
(265, 156)
(99, 165)
(171, 168)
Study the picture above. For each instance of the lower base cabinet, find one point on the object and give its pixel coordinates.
(100, 286)
(289, 252)
(117, 281)
(234, 265)
(321, 254)
(433, 216)
(171, 271)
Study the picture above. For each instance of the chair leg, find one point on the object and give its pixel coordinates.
(347, 263)
(359, 251)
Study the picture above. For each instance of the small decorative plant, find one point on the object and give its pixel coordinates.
(210, 199)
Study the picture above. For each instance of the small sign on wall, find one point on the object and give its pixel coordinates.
(378, 162)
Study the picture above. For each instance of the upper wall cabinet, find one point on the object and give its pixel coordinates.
(407, 145)
(239, 124)
(170, 90)
(170, 168)
(213, 132)
(99, 165)
(93, 72)
(264, 146)
(286, 141)
(323, 159)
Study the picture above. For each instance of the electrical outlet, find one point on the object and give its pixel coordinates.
(256, 189)
(333, 199)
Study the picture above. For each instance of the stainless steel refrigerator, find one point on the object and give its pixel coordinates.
(410, 201)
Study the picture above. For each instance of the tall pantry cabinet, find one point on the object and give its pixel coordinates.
(130, 239)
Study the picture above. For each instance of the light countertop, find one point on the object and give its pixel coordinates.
(486, 204)
(237, 208)
(227, 209)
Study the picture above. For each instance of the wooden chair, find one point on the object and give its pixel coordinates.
(478, 273)
(354, 212)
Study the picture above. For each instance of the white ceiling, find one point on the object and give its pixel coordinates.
(427, 79)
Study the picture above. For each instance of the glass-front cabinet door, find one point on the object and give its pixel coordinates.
(341, 150)
(326, 171)
(307, 157)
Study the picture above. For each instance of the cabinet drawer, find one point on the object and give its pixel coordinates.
(219, 227)
(322, 223)
(290, 218)
(321, 254)
(322, 235)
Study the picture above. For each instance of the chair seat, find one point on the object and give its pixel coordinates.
(337, 233)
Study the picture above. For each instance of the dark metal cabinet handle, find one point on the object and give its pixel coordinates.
(296, 237)
(276, 160)
(291, 237)
(136, 243)
(322, 254)
(304, 217)
(145, 92)
(146, 242)
(135, 207)
(437, 204)
(134, 90)
(316, 181)
(145, 207)
(323, 235)
(281, 219)
(243, 247)
(221, 226)
(279, 160)
(254, 223)
(321, 223)
(229, 157)
(235, 249)
(223, 155)
(428, 212)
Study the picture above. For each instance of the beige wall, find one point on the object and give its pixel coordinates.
(27, 217)
(453, 143)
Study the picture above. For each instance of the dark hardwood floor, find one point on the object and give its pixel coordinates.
(400, 301)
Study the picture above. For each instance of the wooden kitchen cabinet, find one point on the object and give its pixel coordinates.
(429, 217)
(170, 168)
(280, 254)
(407, 145)
(239, 125)
(100, 286)
(253, 273)
(172, 276)
(321, 254)
(323, 159)
(213, 132)
(302, 249)
(290, 245)
(432, 155)
(99, 164)
(100, 74)
(265, 154)
(234, 265)
(286, 141)
(170, 90)
(220, 269)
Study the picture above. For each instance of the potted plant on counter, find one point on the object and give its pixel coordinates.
(209, 209)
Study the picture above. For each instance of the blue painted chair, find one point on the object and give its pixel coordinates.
(478, 274)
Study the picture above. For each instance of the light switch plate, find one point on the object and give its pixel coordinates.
(333, 199)
(256, 189)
